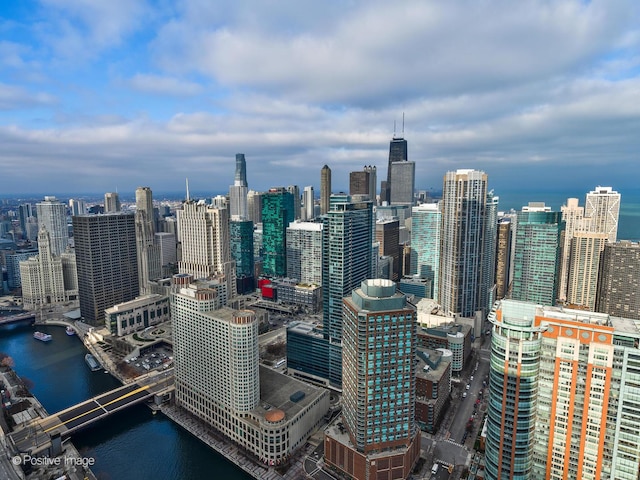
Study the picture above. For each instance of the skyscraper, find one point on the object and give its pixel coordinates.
(203, 232)
(111, 202)
(619, 280)
(487, 292)
(573, 217)
(25, 211)
(347, 248)
(398, 152)
(254, 206)
(378, 395)
(294, 190)
(77, 207)
(241, 239)
(238, 191)
(359, 183)
(388, 236)
(403, 179)
(464, 200)
(348, 229)
(52, 215)
(503, 257)
(602, 209)
(277, 214)
(308, 200)
(563, 394)
(537, 254)
(304, 252)
(48, 279)
(426, 226)
(268, 414)
(584, 261)
(325, 189)
(149, 261)
(106, 260)
(373, 182)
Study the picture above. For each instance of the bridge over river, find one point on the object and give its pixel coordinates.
(39, 435)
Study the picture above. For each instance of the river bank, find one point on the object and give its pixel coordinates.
(22, 407)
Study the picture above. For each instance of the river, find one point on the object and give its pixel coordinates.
(132, 444)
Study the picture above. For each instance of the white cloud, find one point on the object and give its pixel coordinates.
(162, 85)
(381, 52)
(14, 98)
(81, 29)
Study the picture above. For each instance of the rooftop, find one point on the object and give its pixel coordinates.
(276, 390)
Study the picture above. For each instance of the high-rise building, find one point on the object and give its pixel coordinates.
(238, 191)
(584, 262)
(149, 261)
(573, 217)
(398, 152)
(426, 225)
(537, 254)
(308, 201)
(382, 438)
(359, 183)
(563, 394)
(203, 232)
(347, 248)
(325, 189)
(487, 293)
(106, 260)
(403, 179)
(25, 212)
(266, 413)
(304, 252)
(347, 260)
(503, 257)
(167, 243)
(348, 236)
(602, 209)
(294, 190)
(12, 263)
(48, 279)
(373, 182)
(254, 206)
(241, 238)
(52, 215)
(277, 214)
(388, 236)
(77, 207)
(111, 202)
(463, 206)
(619, 280)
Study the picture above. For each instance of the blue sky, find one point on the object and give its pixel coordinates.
(98, 95)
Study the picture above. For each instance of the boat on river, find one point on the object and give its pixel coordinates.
(93, 363)
(70, 331)
(43, 337)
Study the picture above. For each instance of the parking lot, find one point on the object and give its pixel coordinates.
(155, 359)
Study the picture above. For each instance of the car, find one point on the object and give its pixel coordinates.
(468, 386)
(471, 378)
(464, 394)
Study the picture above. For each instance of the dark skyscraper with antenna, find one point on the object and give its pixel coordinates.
(398, 152)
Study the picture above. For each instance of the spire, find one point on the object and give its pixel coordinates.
(187, 180)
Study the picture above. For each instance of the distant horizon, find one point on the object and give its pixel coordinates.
(101, 95)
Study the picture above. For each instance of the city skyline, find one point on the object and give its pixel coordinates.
(109, 97)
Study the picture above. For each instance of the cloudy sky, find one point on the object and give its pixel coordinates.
(103, 95)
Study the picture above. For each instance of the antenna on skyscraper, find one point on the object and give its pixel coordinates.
(187, 181)
(402, 124)
(394, 128)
